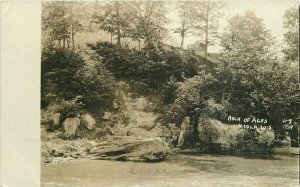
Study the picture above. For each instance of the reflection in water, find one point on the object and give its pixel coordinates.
(177, 170)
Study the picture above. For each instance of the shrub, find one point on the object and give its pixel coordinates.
(191, 99)
(152, 68)
(67, 75)
(71, 108)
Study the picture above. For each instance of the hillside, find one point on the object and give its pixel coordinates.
(82, 38)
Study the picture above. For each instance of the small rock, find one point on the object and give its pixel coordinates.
(108, 130)
(115, 105)
(106, 115)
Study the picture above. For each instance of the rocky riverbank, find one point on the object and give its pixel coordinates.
(114, 148)
(131, 132)
(127, 132)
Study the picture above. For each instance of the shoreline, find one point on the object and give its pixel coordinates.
(57, 151)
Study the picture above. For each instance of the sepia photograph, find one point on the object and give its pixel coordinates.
(169, 93)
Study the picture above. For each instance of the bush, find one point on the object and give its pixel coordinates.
(266, 90)
(69, 109)
(152, 68)
(67, 75)
(191, 99)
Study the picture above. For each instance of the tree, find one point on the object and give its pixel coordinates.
(205, 15)
(252, 79)
(54, 22)
(291, 35)
(246, 40)
(61, 21)
(151, 21)
(184, 12)
(114, 19)
(135, 29)
(246, 45)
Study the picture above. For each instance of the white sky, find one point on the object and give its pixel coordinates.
(271, 11)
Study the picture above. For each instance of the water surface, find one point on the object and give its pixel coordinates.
(178, 170)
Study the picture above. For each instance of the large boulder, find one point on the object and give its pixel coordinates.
(140, 104)
(70, 126)
(55, 118)
(129, 148)
(89, 121)
(215, 132)
(265, 136)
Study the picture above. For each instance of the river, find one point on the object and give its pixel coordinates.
(177, 170)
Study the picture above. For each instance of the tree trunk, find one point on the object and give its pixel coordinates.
(119, 36)
(158, 39)
(68, 42)
(206, 32)
(182, 33)
(139, 45)
(111, 37)
(72, 33)
(64, 43)
(182, 40)
(118, 27)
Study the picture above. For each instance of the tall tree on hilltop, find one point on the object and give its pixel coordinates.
(246, 40)
(152, 19)
(61, 21)
(135, 29)
(291, 35)
(113, 20)
(205, 15)
(252, 79)
(184, 12)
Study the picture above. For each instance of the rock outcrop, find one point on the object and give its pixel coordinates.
(131, 149)
(115, 148)
(70, 126)
(214, 134)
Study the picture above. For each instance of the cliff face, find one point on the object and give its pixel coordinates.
(127, 132)
(217, 136)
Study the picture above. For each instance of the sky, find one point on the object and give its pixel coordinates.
(271, 11)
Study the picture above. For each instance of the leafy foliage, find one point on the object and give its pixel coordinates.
(191, 98)
(186, 19)
(152, 68)
(248, 81)
(205, 15)
(67, 75)
(251, 78)
(61, 21)
(291, 36)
